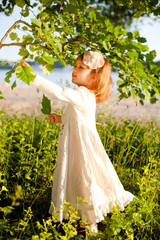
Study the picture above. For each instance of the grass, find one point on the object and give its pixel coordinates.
(28, 154)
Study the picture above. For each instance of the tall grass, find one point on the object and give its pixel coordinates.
(28, 154)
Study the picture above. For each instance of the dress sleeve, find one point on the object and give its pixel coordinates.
(65, 94)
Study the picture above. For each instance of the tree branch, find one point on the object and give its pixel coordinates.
(72, 40)
(17, 44)
(10, 29)
(24, 44)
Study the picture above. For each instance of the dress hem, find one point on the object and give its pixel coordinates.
(96, 214)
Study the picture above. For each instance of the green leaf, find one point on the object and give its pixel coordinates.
(47, 2)
(92, 15)
(141, 95)
(27, 38)
(122, 72)
(40, 60)
(47, 69)
(120, 82)
(9, 75)
(25, 28)
(3, 63)
(58, 42)
(125, 90)
(4, 189)
(156, 90)
(25, 74)
(117, 31)
(6, 210)
(20, 3)
(150, 56)
(130, 35)
(134, 94)
(13, 36)
(37, 22)
(141, 102)
(138, 14)
(47, 58)
(132, 54)
(107, 45)
(23, 52)
(108, 24)
(1, 97)
(35, 4)
(46, 105)
(142, 39)
(14, 85)
(147, 94)
(25, 12)
(33, 48)
(153, 100)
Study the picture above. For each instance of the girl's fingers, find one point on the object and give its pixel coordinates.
(52, 118)
(23, 63)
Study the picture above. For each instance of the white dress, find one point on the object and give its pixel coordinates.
(83, 168)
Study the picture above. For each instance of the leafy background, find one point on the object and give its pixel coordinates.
(28, 148)
(63, 29)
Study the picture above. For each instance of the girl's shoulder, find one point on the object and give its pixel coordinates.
(86, 93)
(84, 90)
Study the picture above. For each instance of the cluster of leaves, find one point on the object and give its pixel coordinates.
(7, 6)
(118, 11)
(62, 30)
(28, 150)
(141, 7)
(123, 13)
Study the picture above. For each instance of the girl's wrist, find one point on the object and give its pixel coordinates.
(34, 74)
(60, 119)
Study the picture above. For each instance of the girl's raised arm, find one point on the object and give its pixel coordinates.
(51, 89)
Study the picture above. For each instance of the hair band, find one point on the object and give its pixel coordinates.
(93, 59)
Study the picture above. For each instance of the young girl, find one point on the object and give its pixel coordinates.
(83, 167)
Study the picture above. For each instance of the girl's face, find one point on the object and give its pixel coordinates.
(81, 74)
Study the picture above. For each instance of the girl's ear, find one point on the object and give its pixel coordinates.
(92, 80)
(94, 77)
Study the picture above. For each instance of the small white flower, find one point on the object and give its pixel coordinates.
(93, 59)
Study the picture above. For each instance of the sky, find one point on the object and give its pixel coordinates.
(149, 29)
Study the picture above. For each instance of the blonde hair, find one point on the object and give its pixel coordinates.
(102, 81)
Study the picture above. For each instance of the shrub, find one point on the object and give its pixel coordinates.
(28, 153)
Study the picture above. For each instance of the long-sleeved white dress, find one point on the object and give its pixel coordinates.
(83, 168)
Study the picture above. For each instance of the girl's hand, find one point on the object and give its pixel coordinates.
(23, 64)
(54, 118)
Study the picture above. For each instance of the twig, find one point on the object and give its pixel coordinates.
(17, 44)
(73, 40)
(61, 6)
(10, 29)
(24, 44)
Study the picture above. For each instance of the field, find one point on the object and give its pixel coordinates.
(28, 153)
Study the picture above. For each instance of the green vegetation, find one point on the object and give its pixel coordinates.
(28, 147)
(28, 153)
(61, 30)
